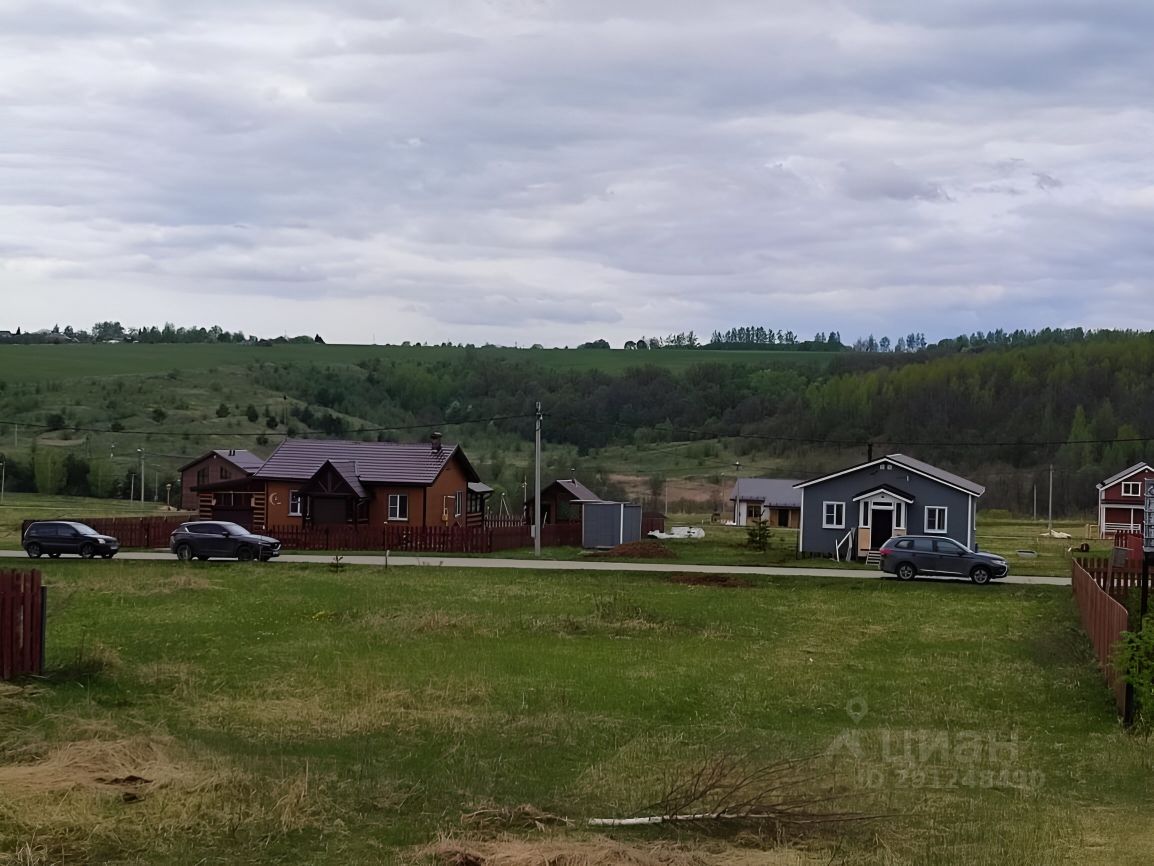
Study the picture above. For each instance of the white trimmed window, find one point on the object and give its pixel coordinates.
(833, 515)
(295, 504)
(398, 506)
(936, 519)
(899, 515)
(459, 504)
(1131, 488)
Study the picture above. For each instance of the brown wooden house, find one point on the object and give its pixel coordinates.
(212, 468)
(561, 502)
(332, 482)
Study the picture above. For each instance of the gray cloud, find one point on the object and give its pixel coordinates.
(578, 169)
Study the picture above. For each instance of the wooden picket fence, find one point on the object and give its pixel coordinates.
(1114, 579)
(21, 624)
(131, 531)
(503, 534)
(1104, 619)
(423, 539)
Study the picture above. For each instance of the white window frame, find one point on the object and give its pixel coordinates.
(296, 510)
(899, 515)
(1132, 488)
(459, 503)
(863, 517)
(395, 502)
(838, 521)
(942, 526)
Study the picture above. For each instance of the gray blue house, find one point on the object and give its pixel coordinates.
(849, 513)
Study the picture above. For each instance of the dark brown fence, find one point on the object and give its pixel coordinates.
(652, 521)
(21, 624)
(1104, 620)
(505, 535)
(131, 531)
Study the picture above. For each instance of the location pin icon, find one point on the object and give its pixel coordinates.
(856, 709)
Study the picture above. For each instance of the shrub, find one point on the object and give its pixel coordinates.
(1134, 659)
(757, 535)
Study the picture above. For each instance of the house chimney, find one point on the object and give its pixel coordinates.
(435, 442)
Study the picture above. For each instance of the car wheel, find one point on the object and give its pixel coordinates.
(87, 551)
(906, 571)
(245, 554)
(184, 553)
(980, 575)
(33, 550)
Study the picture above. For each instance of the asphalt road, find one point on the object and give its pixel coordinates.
(563, 565)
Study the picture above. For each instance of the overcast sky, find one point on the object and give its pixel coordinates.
(563, 170)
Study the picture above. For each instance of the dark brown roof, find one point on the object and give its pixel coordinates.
(246, 461)
(370, 462)
(573, 487)
(347, 470)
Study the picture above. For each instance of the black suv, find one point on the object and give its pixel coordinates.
(206, 539)
(55, 537)
(907, 556)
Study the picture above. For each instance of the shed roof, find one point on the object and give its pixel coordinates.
(778, 492)
(578, 491)
(373, 462)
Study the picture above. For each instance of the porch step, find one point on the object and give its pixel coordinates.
(874, 557)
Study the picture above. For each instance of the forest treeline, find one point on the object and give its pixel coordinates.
(1002, 416)
(115, 332)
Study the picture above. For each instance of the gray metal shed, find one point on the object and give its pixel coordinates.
(608, 524)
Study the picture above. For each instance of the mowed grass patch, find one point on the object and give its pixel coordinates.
(297, 714)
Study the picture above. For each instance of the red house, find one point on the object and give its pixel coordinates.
(1120, 500)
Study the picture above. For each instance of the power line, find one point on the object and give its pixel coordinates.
(251, 435)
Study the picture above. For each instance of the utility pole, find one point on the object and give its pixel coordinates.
(3, 476)
(1050, 514)
(537, 486)
(1035, 501)
(140, 451)
(131, 486)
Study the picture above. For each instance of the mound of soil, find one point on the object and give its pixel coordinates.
(729, 581)
(641, 550)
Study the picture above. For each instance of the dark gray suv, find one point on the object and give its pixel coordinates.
(213, 538)
(907, 556)
(55, 537)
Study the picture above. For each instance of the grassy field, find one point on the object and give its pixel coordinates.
(288, 714)
(728, 545)
(46, 363)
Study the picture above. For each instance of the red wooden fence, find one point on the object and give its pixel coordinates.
(506, 535)
(131, 531)
(1104, 620)
(1116, 580)
(21, 624)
